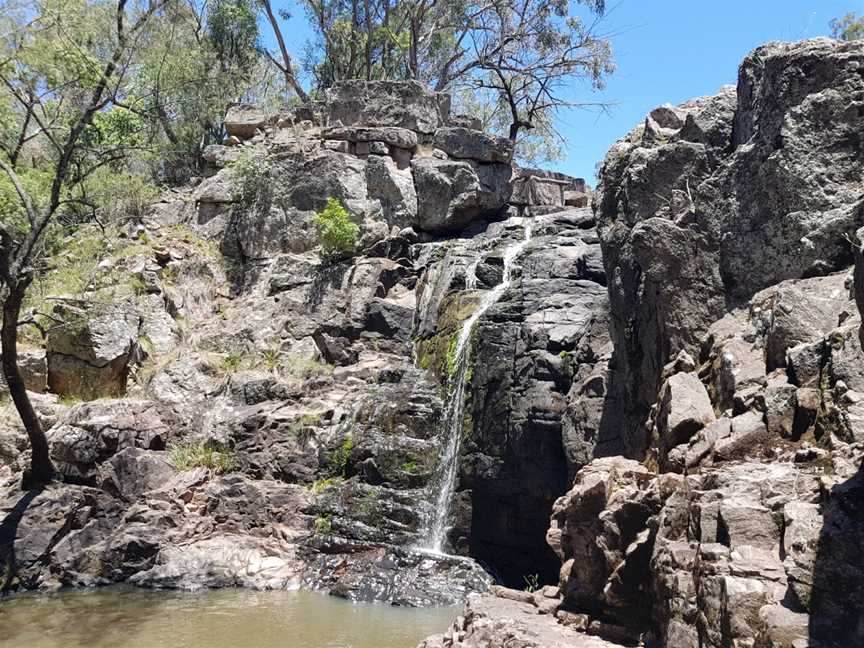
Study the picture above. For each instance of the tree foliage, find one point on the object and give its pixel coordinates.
(850, 27)
(64, 73)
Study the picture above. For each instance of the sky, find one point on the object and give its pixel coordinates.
(666, 51)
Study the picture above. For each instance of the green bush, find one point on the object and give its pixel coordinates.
(251, 169)
(305, 368)
(322, 525)
(320, 485)
(338, 459)
(337, 233)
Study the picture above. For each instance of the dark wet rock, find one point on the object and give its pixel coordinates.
(397, 576)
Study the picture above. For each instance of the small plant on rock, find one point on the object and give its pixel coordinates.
(191, 454)
(337, 233)
(322, 525)
(305, 368)
(251, 169)
(338, 459)
(272, 359)
(532, 582)
(231, 363)
(320, 485)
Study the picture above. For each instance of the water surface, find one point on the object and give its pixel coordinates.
(131, 618)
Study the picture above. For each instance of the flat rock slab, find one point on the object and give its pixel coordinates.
(491, 622)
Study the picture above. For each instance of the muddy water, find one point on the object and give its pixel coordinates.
(129, 618)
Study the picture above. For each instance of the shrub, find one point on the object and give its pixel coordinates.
(337, 233)
(322, 525)
(320, 485)
(231, 363)
(188, 455)
(305, 368)
(338, 459)
(251, 169)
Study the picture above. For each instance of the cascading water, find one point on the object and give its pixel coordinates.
(443, 485)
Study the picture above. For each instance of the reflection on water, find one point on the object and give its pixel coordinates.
(130, 618)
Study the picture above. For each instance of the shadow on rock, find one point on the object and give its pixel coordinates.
(8, 533)
(837, 598)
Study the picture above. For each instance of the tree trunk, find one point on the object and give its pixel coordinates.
(41, 468)
(368, 18)
(22, 139)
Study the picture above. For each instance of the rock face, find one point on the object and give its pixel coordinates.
(680, 196)
(275, 416)
(538, 347)
(89, 356)
(728, 231)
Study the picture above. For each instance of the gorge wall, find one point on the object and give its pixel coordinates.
(213, 331)
(734, 509)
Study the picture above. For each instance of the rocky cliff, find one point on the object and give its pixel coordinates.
(230, 406)
(660, 426)
(734, 511)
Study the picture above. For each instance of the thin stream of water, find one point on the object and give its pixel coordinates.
(444, 483)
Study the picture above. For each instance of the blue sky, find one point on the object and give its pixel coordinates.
(666, 51)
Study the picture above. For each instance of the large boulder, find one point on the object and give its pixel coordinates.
(406, 104)
(89, 356)
(402, 138)
(451, 194)
(394, 188)
(468, 144)
(600, 532)
(93, 432)
(243, 121)
(684, 409)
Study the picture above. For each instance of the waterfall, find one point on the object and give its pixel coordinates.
(443, 485)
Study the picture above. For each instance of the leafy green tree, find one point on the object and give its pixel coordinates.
(337, 233)
(78, 63)
(850, 27)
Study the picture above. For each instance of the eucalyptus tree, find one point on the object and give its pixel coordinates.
(63, 69)
(850, 27)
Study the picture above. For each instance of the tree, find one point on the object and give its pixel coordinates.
(528, 53)
(850, 27)
(285, 66)
(86, 78)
